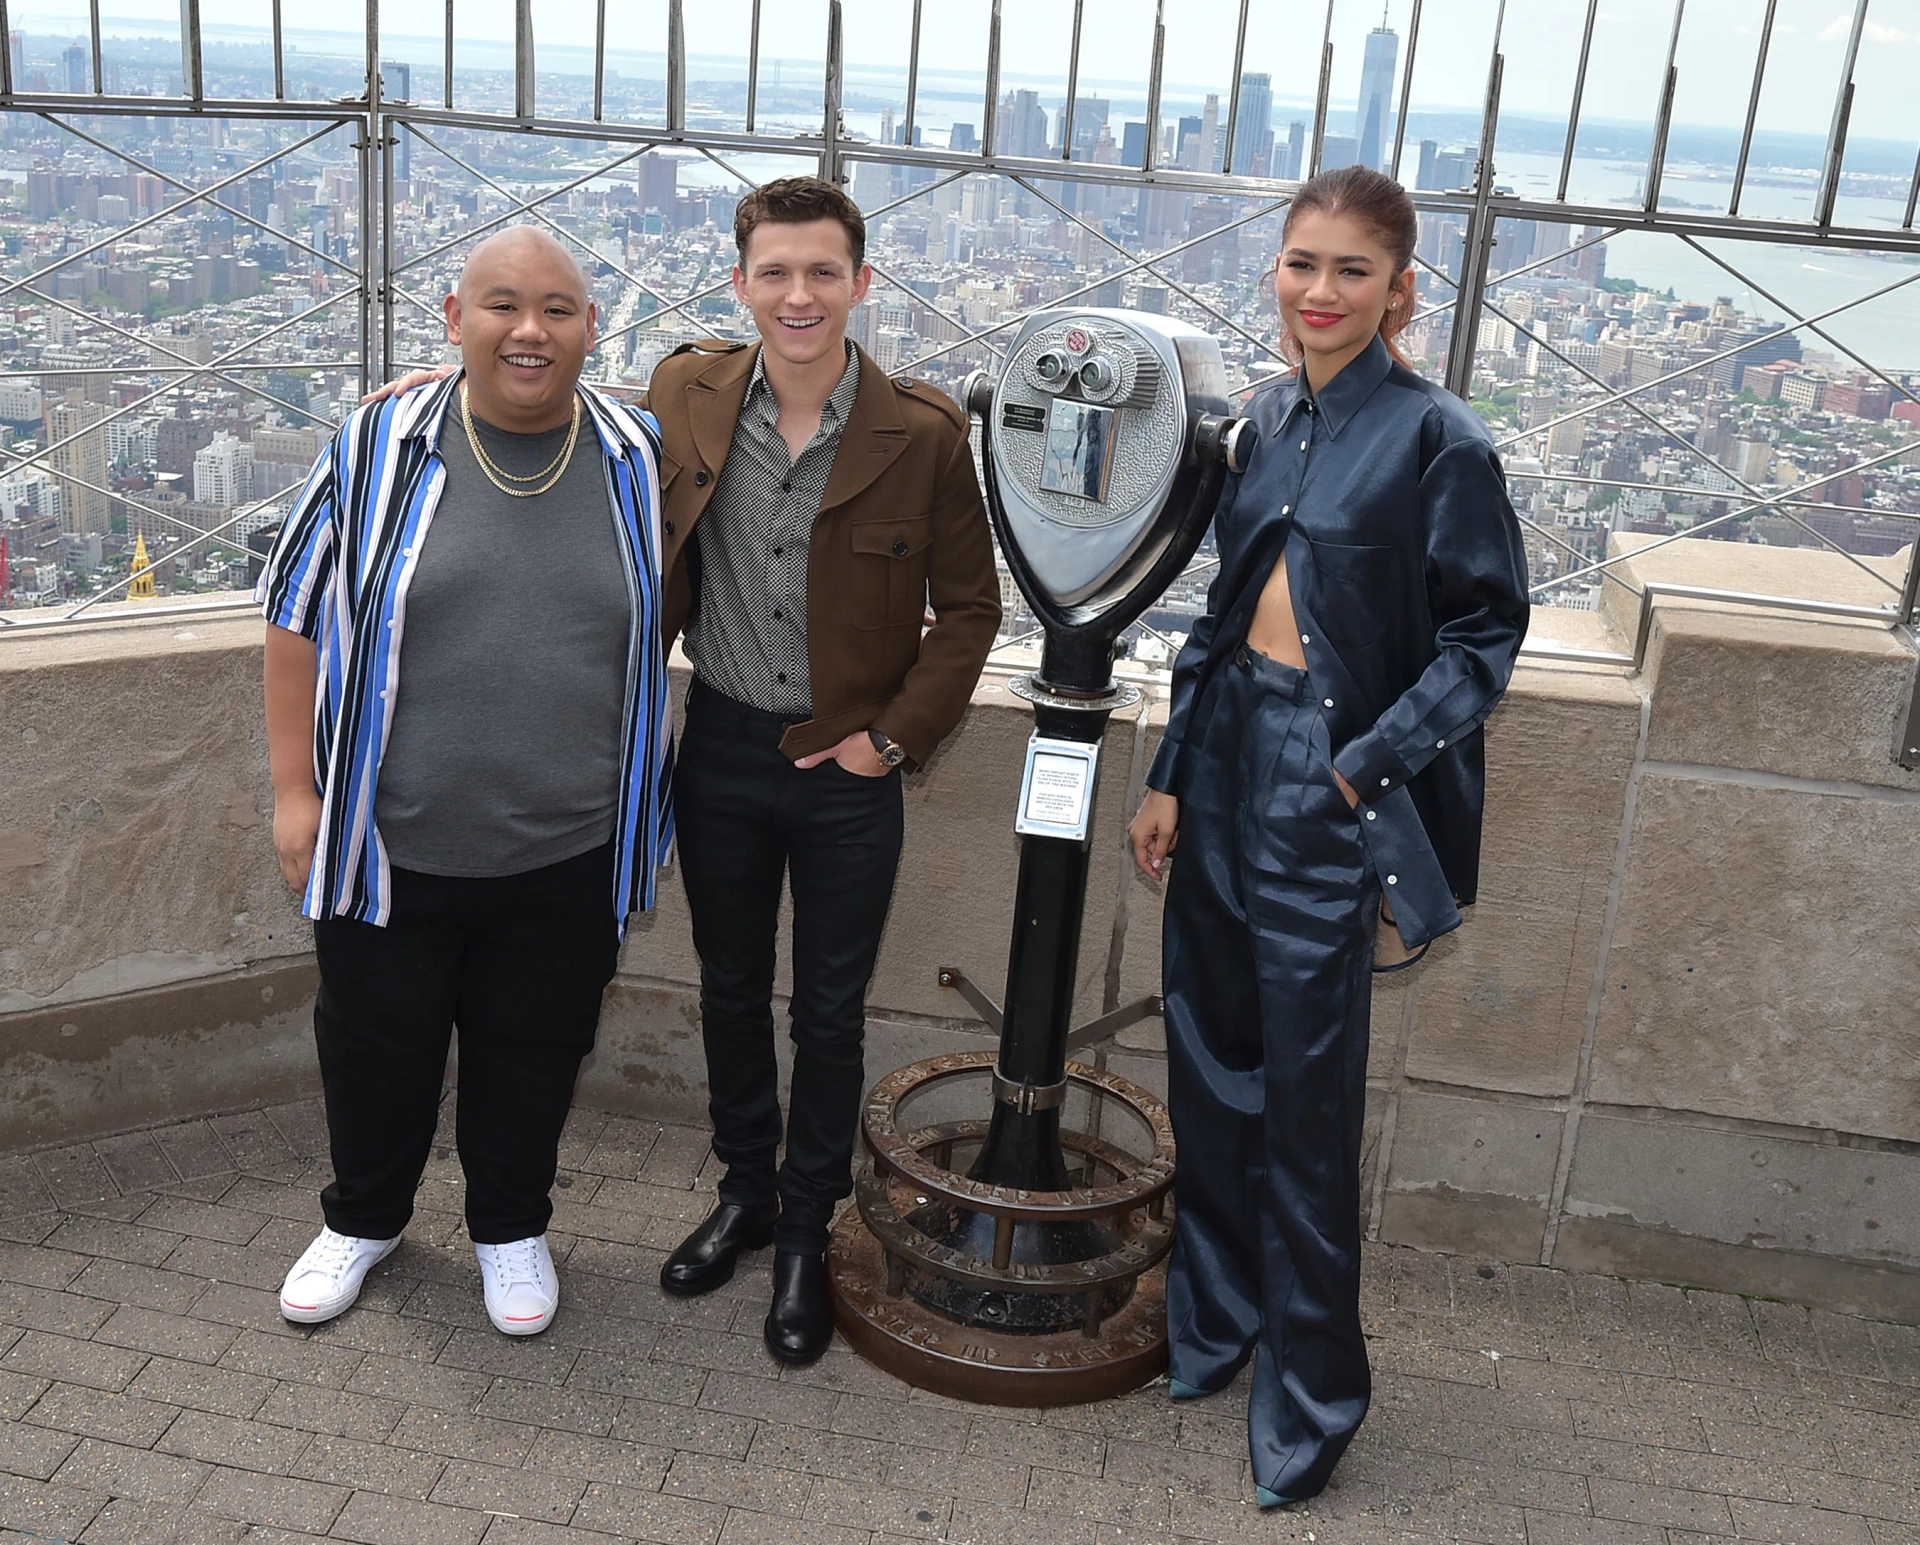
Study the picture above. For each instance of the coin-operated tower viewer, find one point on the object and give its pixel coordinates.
(1013, 1259)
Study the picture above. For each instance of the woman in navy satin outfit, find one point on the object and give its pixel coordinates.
(1323, 774)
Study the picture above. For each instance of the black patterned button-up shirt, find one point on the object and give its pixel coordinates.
(748, 634)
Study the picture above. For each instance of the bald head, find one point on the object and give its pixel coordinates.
(524, 321)
(515, 250)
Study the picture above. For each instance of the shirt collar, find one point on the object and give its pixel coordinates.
(422, 414)
(839, 405)
(1346, 393)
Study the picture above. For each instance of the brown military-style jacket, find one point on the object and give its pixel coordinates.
(901, 528)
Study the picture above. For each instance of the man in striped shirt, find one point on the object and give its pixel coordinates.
(471, 832)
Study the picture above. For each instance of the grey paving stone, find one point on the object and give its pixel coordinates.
(378, 1519)
(277, 1500)
(34, 1451)
(1664, 1505)
(253, 1140)
(42, 1266)
(75, 1175)
(680, 1427)
(1800, 1525)
(588, 1458)
(98, 1413)
(231, 1442)
(531, 1359)
(544, 1406)
(486, 1439)
(193, 1150)
(976, 1522)
(528, 1531)
(42, 1511)
(18, 1392)
(135, 1242)
(370, 1466)
(528, 1493)
(650, 1515)
(135, 1162)
(1004, 1435)
(419, 1383)
(46, 1356)
(150, 1287)
(292, 1357)
(891, 1510)
(338, 1412)
(168, 1335)
(131, 1472)
(744, 1528)
(65, 1314)
(762, 1487)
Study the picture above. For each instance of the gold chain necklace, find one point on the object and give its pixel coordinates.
(503, 479)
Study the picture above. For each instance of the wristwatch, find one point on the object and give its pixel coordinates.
(892, 753)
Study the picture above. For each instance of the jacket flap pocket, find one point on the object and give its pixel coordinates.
(893, 538)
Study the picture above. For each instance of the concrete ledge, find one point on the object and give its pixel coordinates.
(82, 1070)
(1877, 1291)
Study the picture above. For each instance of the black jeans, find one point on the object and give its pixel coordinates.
(519, 964)
(747, 817)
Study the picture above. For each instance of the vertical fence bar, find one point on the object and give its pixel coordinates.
(1842, 112)
(676, 66)
(1406, 86)
(279, 56)
(1233, 101)
(93, 28)
(1913, 198)
(192, 77)
(1320, 99)
(1476, 251)
(523, 63)
(1067, 113)
(913, 78)
(7, 83)
(1155, 75)
(600, 60)
(990, 109)
(446, 79)
(375, 188)
(753, 64)
(830, 168)
(1663, 118)
(1579, 91)
(390, 133)
(1753, 108)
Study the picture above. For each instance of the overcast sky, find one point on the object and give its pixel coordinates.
(1540, 39)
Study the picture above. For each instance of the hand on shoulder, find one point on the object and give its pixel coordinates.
(407, 383)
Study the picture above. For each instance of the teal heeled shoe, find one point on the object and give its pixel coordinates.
(1269, 1499)
(1181, 1390)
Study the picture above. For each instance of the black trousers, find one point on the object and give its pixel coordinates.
(519, 965)
(747, 819)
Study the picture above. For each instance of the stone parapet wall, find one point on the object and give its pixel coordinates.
(1679, 1037)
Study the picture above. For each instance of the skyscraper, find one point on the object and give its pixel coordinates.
(1376, 93)
(396, 81)
(1023, 125)
(76, 72)
(1253, 129)
(1296, 150)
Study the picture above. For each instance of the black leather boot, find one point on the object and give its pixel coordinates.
(800, 1324)
(706, 1257)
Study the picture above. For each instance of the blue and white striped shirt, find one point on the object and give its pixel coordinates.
(339, 574)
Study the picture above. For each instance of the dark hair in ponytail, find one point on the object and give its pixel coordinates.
(1382, 206)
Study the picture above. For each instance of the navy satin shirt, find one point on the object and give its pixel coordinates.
(1410, 584)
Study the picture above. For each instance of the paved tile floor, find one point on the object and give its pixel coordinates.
(149, 1391)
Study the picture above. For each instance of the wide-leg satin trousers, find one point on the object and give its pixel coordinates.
(1268, 944)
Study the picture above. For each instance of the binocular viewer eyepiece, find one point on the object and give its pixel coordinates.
(1105, 439)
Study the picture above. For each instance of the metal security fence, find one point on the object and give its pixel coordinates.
(221, 227)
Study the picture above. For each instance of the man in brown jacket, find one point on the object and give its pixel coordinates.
(814, 510)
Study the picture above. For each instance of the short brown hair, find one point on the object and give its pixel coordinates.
(799, 201)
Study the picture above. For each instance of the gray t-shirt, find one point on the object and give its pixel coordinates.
(505, 750)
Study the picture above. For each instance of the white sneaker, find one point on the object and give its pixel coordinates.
(523, 1289)
(326, 1280)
